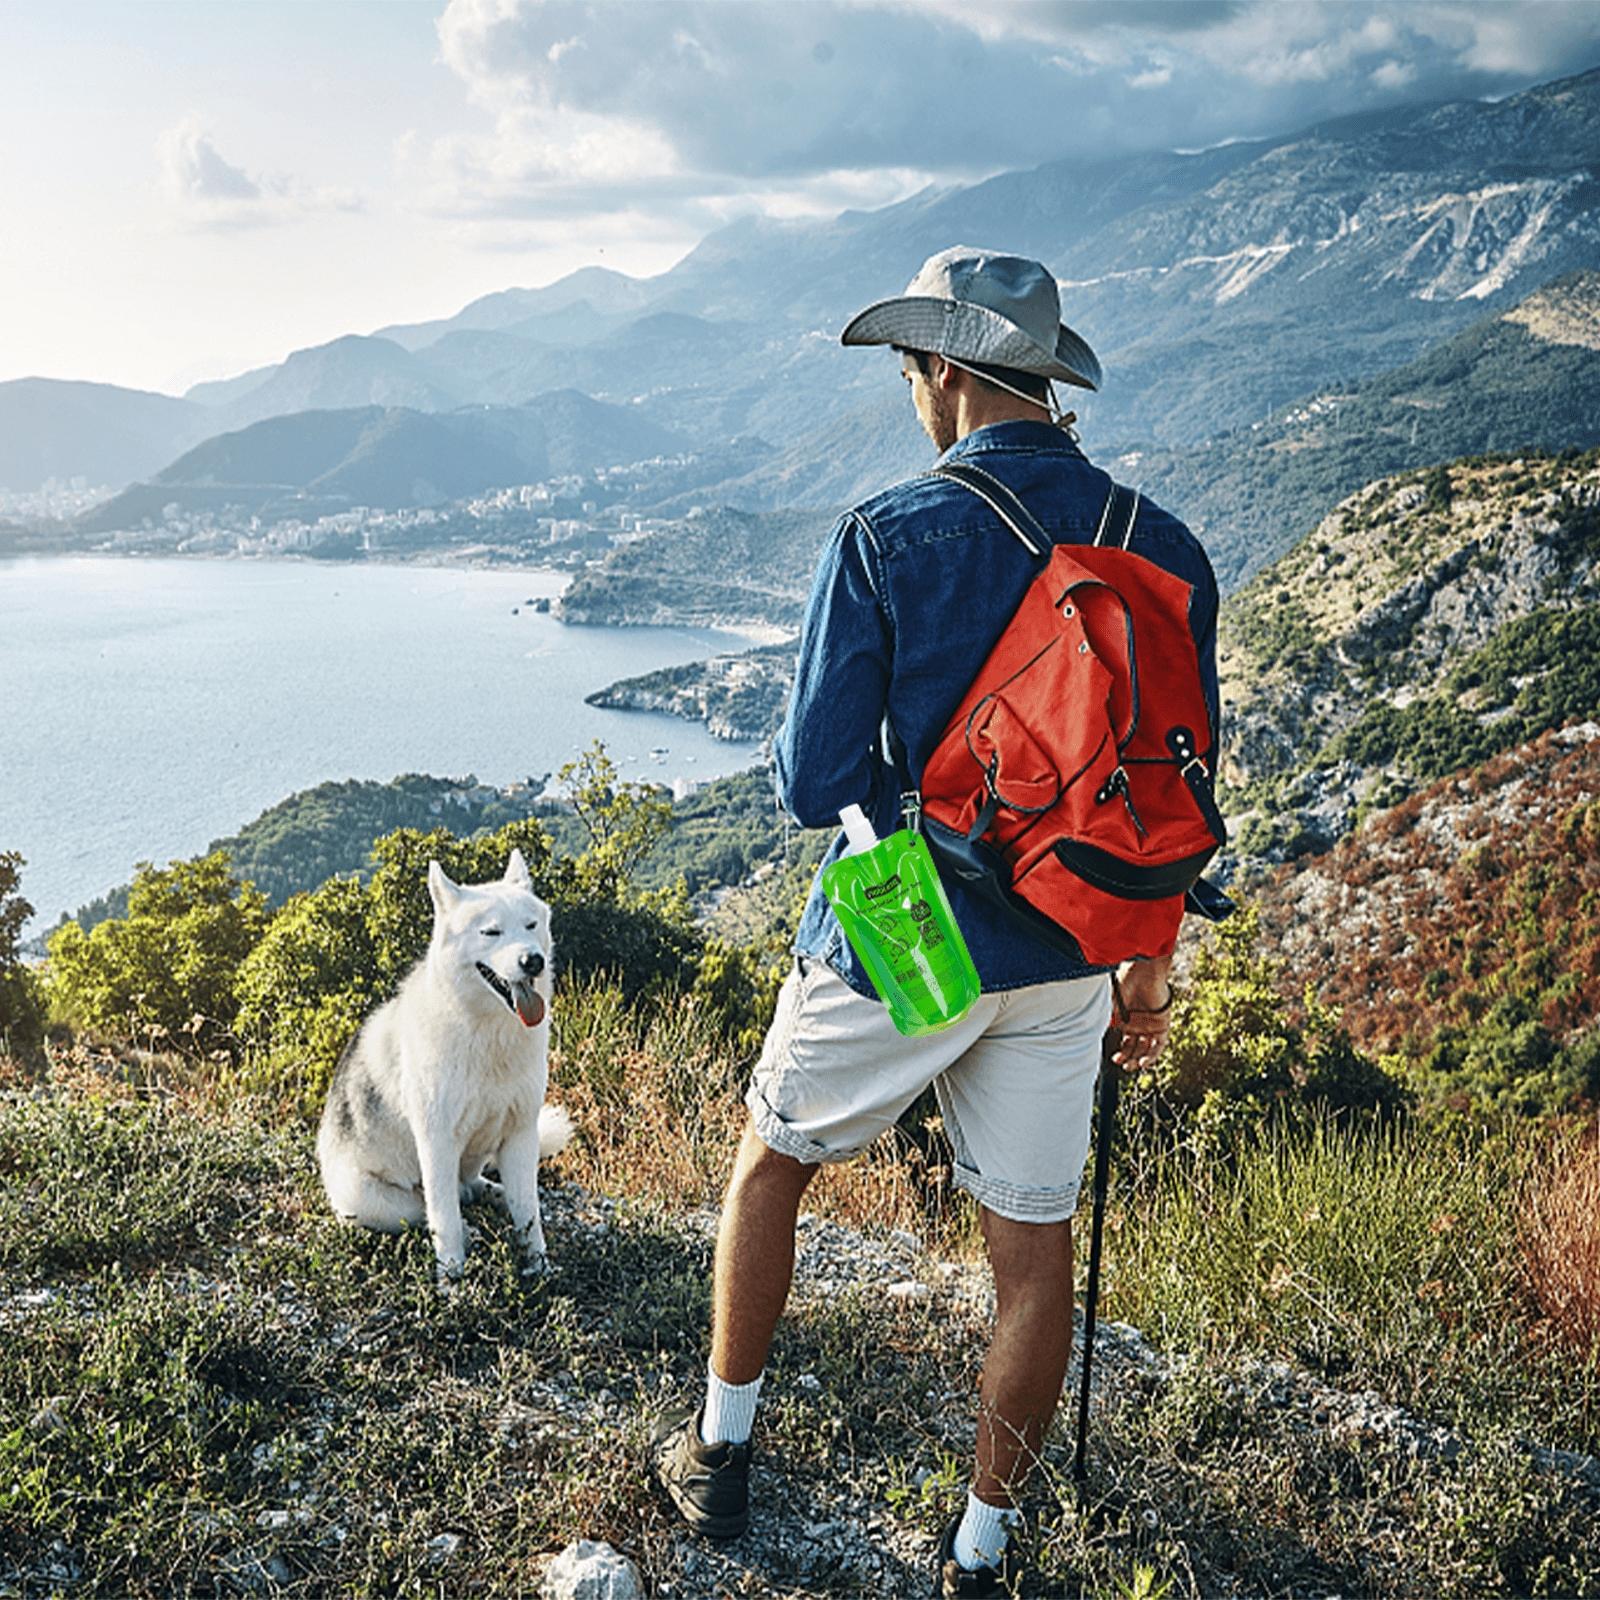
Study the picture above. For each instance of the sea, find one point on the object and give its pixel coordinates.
(149, 705)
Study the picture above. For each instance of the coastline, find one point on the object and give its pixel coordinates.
(439, 559)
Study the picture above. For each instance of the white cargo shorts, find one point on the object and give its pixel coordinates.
(1015, 1079)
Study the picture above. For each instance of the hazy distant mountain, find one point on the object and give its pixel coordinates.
(588, 292)
(352, 371)
(680, 364)
(317, 461)
(827, 467)
(53, 429)
(1216, 285)
(221, 391)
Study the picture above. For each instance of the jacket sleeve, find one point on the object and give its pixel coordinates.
(1204, 620)
(825, 753)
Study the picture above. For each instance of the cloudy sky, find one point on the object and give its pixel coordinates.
(188, 189)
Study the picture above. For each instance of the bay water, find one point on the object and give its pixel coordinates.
(151, 705)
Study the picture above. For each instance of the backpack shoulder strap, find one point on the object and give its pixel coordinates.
(1122, 510)
(1005, 505)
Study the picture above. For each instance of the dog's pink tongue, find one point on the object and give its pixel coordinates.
(530, 1007)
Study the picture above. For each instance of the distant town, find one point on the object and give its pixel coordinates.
(565, 521)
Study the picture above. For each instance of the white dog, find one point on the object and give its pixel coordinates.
(449, 1076)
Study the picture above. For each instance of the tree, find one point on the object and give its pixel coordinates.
(624, 820)
(21, 1001)
(165, 972)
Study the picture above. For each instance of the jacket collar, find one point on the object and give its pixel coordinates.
(1035, 437)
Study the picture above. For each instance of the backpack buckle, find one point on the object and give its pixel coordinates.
(1182, 743)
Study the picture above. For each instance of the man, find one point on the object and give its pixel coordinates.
(912, 590)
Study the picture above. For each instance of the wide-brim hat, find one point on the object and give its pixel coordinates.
(981, 305)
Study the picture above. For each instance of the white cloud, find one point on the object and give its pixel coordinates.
(193, 174)
(1151, 78)
(207, 191)
(699, 108)
(1394, 74)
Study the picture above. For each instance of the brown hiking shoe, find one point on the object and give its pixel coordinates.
(954, 1581)
(708, 1483)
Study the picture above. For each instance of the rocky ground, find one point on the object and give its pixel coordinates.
(212, 1389)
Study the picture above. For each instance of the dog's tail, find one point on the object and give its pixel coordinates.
(556, 1129)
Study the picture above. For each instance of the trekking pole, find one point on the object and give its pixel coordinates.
(1105, 1122)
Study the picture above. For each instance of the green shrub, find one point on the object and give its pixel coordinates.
(741, 990)
(305, 987)
(166, 972)
(1239, 1059)
(21, 993)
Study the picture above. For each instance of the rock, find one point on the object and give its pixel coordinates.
(591, 1570)
(441, 1547)
(48, 1418)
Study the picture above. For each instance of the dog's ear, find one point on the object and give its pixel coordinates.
(517, 872)
(442, 890)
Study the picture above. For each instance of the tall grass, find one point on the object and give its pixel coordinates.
(1386, 1259)
(657, 1092)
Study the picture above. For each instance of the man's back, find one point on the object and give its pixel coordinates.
(913, 588)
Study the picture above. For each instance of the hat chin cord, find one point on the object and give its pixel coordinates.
(1059, 418)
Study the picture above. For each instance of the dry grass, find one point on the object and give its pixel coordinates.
(1560, 1238)
(658, 1097)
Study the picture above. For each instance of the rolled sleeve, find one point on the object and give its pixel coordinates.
(825, 754)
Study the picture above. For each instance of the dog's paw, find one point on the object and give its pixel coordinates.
(536, 1264)
(447, 1274)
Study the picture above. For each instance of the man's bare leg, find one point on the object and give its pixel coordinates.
(755, 1257)
(1028, 1355)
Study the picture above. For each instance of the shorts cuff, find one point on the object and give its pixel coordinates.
(776, 1134)
(1014, 1201)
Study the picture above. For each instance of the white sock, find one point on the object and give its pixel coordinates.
(730, 1409)
(981, 1538)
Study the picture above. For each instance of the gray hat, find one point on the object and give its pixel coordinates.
(979, 305)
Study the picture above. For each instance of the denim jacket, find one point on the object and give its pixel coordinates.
(913, 588)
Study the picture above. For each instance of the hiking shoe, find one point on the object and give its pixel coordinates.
(955, 1580)
(708, 1483)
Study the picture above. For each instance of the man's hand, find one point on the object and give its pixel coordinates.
(1143, 1018)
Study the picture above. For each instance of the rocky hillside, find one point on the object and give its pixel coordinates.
(740, 696)
(716, 567)
(1461, 928)
(1427, 623)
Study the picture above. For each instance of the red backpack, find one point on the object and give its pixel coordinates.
(1071, 785)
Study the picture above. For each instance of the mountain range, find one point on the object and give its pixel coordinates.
(312, 462)
(1217, 286)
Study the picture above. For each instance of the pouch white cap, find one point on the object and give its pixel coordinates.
(857, 830)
